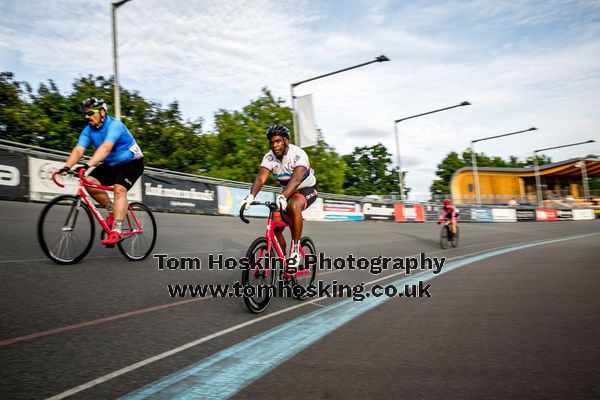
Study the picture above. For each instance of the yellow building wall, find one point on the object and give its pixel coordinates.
(489, 184)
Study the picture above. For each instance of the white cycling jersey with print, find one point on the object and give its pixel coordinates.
(283, 170)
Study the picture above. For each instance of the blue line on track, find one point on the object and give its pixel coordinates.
(225, 373)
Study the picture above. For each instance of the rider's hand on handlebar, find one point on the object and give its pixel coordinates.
(247, 201)
(64, 170)
(439, 222)
(281, 202)
(77, 170)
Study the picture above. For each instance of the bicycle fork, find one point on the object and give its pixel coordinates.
(72, 216)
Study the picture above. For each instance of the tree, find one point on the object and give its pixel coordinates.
(370, 172)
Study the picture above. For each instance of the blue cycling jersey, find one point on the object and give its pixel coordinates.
(125, 148)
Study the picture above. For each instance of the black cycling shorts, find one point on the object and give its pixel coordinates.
(124, 174)
(308, 195)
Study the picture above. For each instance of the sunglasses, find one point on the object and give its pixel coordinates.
(90, 113)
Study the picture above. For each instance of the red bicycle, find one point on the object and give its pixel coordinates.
(66, 226)
(268, 261)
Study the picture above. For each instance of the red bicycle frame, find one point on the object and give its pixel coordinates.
(272, 242)
(82, 194)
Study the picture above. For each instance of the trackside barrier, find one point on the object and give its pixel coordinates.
(410, 213)
(230, 199)
(25, 174)
(481, 215)
(525, 214)
(179, 194)
(339, 210)
(583, 214)
(545, 214)
(504, 215)
(377, 211)
(564, 214)
(14, 182)
(315, 212)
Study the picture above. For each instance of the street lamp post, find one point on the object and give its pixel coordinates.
(400, 176)
(381, 58)
(538, 184)
(474, 159)
(117, 94)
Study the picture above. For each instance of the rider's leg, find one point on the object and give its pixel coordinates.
(98, 194)
(453, 222)
(120, 207)
(295, 207)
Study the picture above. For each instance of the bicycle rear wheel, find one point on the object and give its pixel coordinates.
(66, 230)
(456, 237)
(136, 247)
(258, 274)
(306, 279)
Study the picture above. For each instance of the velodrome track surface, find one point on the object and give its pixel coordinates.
(522, 322)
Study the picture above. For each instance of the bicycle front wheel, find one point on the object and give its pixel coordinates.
(257, 276)
(139, 229)
(307, 269)
(66, 230)
(444, 237)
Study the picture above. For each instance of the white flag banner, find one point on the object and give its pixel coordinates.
(306, 122)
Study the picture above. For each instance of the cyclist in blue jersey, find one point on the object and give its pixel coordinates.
(290, 165)
(123, 162)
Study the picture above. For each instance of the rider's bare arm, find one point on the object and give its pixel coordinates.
(101, 153)
(294, 182)
(75, 156)
(260, 180)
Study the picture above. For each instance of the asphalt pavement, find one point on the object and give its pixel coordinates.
(513, 314)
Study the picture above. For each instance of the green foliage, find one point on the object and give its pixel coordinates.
(233, 151)
(370, 172)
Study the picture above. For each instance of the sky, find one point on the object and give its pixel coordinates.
(520, 64)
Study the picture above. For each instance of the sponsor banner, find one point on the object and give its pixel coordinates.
(432, 212)
(230, 199)
(504, 215)
(170, 193)
(43, 188)
(383, 212)
(409, 213)
(564, 214)
(525, 214)
(464, 215)
(315, 212)
(583, 214)
(13, 176)
(481, 215)
(337, 210)
(545, 214)
(597, 212)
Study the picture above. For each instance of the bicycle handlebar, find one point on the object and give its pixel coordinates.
(272, 206)
(79, 175)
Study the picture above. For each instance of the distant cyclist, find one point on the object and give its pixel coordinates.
(449, 213)
(123, 162)
(290, 165)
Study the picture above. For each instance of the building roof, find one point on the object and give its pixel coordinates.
(561, 168)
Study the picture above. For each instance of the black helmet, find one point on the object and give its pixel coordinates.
(278, 130)
(94, 102)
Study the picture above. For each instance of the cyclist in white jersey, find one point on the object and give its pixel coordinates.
(290, 165)
(122, 159)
